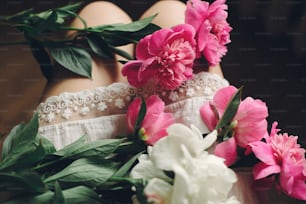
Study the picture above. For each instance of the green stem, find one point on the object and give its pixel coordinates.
(80, 29)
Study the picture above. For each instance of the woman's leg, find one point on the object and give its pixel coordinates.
(171, 13)
(104, 71)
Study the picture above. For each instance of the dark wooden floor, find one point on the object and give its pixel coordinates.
(266, 56)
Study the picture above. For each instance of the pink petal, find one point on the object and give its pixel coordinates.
(142, 48)
(299, 190)
(156, 121)
(130, 70)
(227, 150)
(223, 96)
(155, 104)
(274, 129)
(147, 70)
(213, 50)
(196, 12)
(264, 152)
(158, 129)
(132, 113)
(253, 109)
(217, 11)
(250, 131)
(262, 170)
(208, 116)
(186, 31)
(158, 40)
(203, 34)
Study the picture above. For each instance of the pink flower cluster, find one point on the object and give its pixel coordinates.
(212, 29)
(156, 121)
(166, 57)
(249, 124)
(283, 158)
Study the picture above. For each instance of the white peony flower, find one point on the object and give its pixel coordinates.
(167, 152)
(145, 169)
(205, 179)
(199, 177)
(158, 191)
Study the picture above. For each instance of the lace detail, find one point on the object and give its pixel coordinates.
(115, 98)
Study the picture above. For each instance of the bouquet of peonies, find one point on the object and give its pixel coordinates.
(159, 160)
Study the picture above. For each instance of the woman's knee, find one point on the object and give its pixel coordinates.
(101, 13)
(170, 13)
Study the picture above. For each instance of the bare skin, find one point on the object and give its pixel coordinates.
(106, 72)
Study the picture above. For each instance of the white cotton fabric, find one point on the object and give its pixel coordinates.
(101, 113)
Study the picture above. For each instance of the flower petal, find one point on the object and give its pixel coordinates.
(227, 150)
(262, 170)
(158, 40)
(196, 12)
(130, 70)
(142, 48)
(223, 97)
(264, 152)
(158, 191)
(132, 113)
(208, 116)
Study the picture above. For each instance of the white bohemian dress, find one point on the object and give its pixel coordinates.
(101, 114)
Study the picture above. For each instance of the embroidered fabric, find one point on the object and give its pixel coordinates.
(100, 113)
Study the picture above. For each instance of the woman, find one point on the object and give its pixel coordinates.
(73, 106)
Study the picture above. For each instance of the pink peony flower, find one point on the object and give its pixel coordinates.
(164, 58)
(249, 124)
(155, 122)
(281, 154)
(212, 29)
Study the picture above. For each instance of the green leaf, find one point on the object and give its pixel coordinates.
(81, 148)
(92, 172)
(73, 7)
(24, 181)
(127, 166)
(49, 23)
(230, 110)
(100, 148)
(42, 57)
(59, 158)
(81, 195)
(141, 115)
(74, 59)
(46, 144)
(28, 154)
(63, 12)
(19, 135)
(58, 194)
(131, 27)
(99, 46)
(115, 39)
(75, 195)
(122, 53)
(69, 149)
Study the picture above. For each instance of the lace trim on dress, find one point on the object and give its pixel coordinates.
(114, 99)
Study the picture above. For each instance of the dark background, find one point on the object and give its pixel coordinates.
(266, 56)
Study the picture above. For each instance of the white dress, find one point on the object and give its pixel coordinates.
(100, 113)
